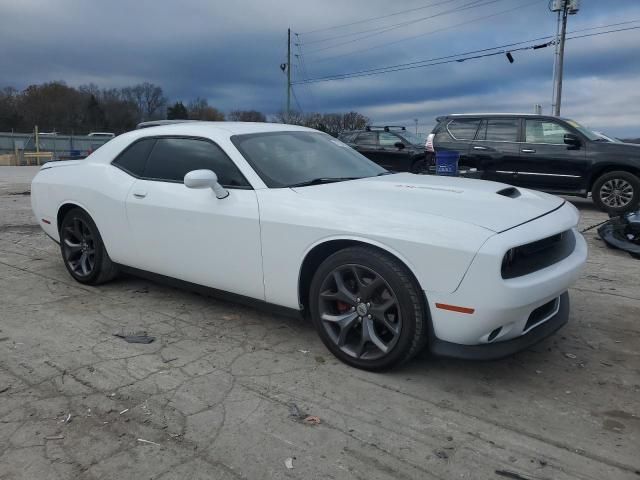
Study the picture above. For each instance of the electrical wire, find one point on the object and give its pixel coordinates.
(380, 31)
(385, 28)
(371, 19)
(438, 30)
(452, 59)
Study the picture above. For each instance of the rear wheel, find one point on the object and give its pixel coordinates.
(367, 308)
(82, 249)
(617, 192)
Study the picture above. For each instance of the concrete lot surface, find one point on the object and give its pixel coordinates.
(213, 396)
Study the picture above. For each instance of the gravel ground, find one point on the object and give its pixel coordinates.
(213, 396)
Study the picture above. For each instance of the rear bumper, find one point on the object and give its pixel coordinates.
(493, 351)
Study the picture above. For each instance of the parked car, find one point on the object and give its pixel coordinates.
(292, 219)
(551, 154)
(394, 148)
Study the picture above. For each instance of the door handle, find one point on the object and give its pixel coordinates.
(140, 194)
(476, 147)
(528, 150)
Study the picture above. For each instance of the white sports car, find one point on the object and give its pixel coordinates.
(384, 264)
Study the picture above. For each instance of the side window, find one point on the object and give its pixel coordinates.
(500, 130)
(133, 159)
(172, 158)
(386, 139)
(367, 139)
(463, 128)
(543, 131)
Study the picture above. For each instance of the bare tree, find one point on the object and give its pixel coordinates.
(148, 98)
(199, 109)
(331, 123)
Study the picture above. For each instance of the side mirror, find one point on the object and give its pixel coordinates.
(571, 140)
(205, 179)
(399, 145)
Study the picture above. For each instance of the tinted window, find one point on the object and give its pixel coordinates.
(386, 139)
(347, 137)
(542, 131)
(134, 158)
(463, 128)
(172, 158)
(500, 130)
(367, 138)
(288, 158)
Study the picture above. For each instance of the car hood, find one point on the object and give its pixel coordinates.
(491, 205)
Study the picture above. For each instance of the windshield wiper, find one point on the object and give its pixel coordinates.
(321, 180)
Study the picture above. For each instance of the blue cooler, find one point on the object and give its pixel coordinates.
(447, 163)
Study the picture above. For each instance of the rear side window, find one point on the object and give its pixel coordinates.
(347, 137)
(463, 128)
(367, 138)
(499, 130)
(172, 158)
(133, 159)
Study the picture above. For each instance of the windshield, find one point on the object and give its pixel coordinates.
(593, 136)
(412, 138)
(283, 159)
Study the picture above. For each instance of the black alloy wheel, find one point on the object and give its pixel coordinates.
(360, 311)
(367, 308)
(83, 251)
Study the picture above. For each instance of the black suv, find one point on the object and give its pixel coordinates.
(552, 154)
(393, 148)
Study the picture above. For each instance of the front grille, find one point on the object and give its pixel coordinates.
(541, 313)
(537, 255)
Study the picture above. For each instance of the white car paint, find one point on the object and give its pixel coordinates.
(452, 233)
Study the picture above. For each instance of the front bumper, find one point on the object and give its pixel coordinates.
(494, 351)
(503, 315)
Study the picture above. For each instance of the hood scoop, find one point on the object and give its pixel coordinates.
(511, 192)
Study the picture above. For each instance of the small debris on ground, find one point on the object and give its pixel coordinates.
(54, 437)
(442, 454)
(124, 411)
(135, 337)
(142, 440)
(294, 411)
(68, 419)
(289, 463)
(312, 420)
(570, 355)
(320, 359)
(170, 360)
(4, 389)
(515, 475)
(304, 351)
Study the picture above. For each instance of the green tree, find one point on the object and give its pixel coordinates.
(177, 112)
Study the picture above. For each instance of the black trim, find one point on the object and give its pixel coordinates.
(535, 218)
(213, 292)
(51, 237)
(497, 350)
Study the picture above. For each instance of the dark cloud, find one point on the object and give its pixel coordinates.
(229, 53)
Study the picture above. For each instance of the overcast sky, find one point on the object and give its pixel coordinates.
(230, 51)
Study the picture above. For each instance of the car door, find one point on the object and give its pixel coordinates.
(190, 234)
(496, 150)
(391, 156)
(367, 144)
(546, 162)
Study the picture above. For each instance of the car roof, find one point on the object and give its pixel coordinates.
(192, 127)
(497, 114)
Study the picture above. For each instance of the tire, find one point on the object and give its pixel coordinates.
(378, 319)
(616, 192)
(83, 252)
(420, 166)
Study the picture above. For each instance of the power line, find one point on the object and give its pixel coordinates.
(386, 44)
(452, 59)
(506, 45)
(384, 27)
(381, 30)
(371, 19)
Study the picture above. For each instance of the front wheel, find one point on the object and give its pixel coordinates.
(616, 192)
(83, 252)
(368, 309)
